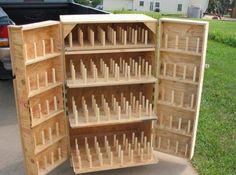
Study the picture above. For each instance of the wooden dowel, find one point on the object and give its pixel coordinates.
(76, 117)
(50, 134)
(184, 72)
(35, 50)
(150, 71)
(73, 72)
(179, 123)
(172, 97)
(53, 75)
(47, 107)
(186, 150)
(43, 137)
(146, 69)
(176, 147)
(194, 73)
(55, 103)
(132, 156)
(114, 140)
(192, 101)
(26, 51)
(197, 45)
(139, 71)
(145, 142)
(143, 36)
(148, 148)
(125, 37)
(38, 81)
(57, 129)
(150, 109)
(51, 45)
(130, 112)
(135, 143)
(81, 37)
(141, 156)
(79, 162)
(159, 142)
(171, 121)
(139, 149)
(28, 82)
(147, 106)
(43, 47)
(146, 37)
(166, 41)
(186, 43)
(59, 153)
(70, 40)
(135, 36)
(111, 158)
(114, 37)
(182, 99)
(168, 144)
(128, 72)
(164, 69)
(46, 78)
(121, 157)
(133, 137)
(176, 42)
(174, 70)
(189, 126)
(100, 159)
(90, 161)
(45, 162)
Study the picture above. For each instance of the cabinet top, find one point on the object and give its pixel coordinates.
(106, 18)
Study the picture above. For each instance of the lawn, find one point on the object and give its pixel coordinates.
(216, 138)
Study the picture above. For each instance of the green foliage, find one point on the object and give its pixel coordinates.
(215, 152)
(223, 31)
(222, 5)
(96, 2)
(83, 2)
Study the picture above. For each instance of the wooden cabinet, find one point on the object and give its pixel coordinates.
(107, 91)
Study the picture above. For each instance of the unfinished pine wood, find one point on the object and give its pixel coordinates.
(110, 151)
(109, 37)
(182, 56)
(109, 72)
(36, 52)
(110, 111)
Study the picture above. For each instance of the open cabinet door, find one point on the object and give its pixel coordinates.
(36, 52)
(182, 52)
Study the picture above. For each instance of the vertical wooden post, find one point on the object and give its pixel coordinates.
(43, 47)
(70, 40)
(51, 45)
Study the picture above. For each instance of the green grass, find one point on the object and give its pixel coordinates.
(215, 152)
(216, 139)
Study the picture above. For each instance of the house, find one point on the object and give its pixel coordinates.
(164, 6)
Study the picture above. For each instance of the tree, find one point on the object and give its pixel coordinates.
(83, 2)
(221, 5)
(96, 2)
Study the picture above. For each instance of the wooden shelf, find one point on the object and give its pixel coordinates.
(175, 106)
(38, 121)
(52, 167)
(115, 50)
(181, 51)
(47, 144)
(176, 131)
(105, 121)
(177, 80)
(42, 58)
(33, 93)
(111, 82)
(112, 49)
(112, 152)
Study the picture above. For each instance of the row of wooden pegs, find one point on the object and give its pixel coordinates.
(170, 124)
(116, 152)
(35, 83)
(185, 67)
(186, 47)
(125, 109)
(129, 35)
(172, 146)
(38, 112)
(172, 100)
(115, 71)
(36, 52)
(46, 136)
(50, 159)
